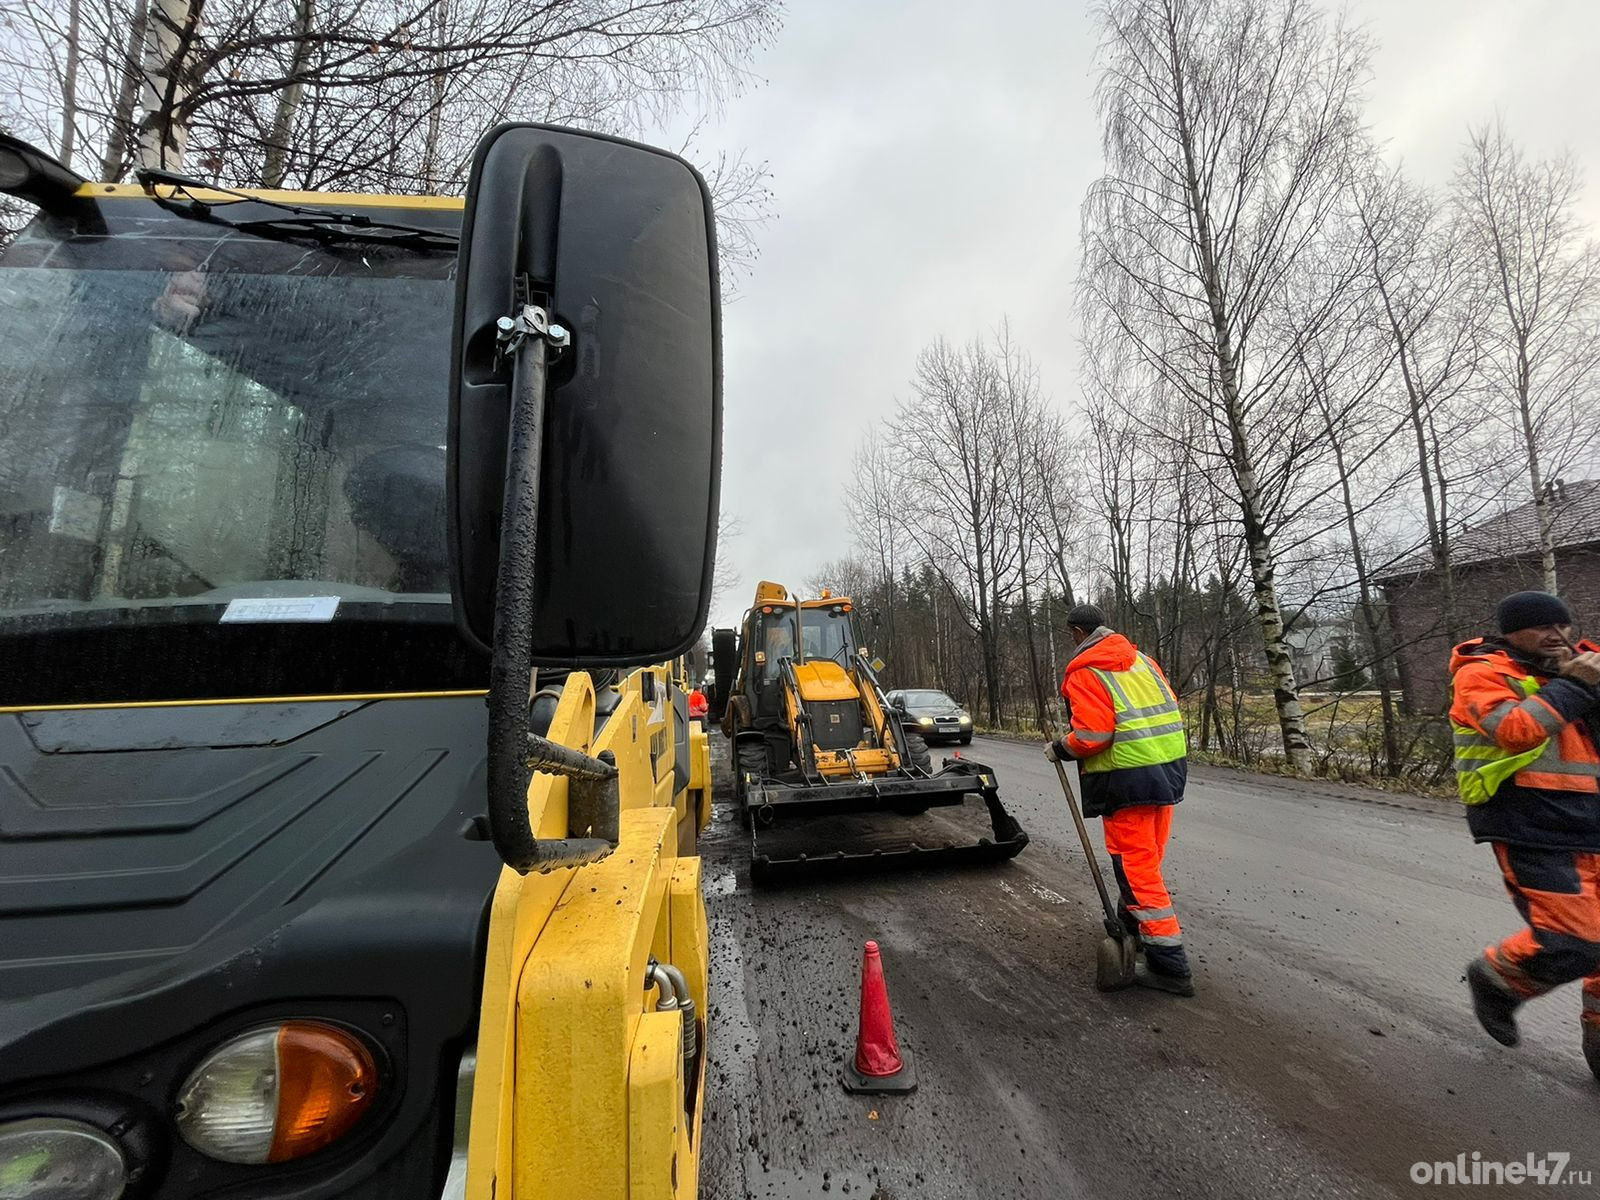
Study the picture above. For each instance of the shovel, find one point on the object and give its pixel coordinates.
(1115, 959)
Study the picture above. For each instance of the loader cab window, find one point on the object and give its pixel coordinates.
(826, 633)
(776, 641)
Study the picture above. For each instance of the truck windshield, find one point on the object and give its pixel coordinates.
(204, 432)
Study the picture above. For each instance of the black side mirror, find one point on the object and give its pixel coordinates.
(584, 441)
(614, 243)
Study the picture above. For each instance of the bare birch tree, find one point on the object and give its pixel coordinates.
(1229, 127)
(953, 457)
(1431, 307)
(370, 95)
(1542, 335)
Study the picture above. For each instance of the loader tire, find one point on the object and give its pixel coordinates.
(922, 759)
(749, 758)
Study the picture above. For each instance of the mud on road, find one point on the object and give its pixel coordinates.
(1330, 1047)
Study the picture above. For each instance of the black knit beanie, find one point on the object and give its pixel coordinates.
(1527, 610)
(1086, 616)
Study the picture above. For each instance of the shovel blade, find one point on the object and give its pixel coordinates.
(1113, 965)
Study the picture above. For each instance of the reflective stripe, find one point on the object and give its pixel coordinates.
(1483, 765)
(1120, 697)
(1149, 728)
(1091, 738)
(1549, 719)
(1553, 764)
(1160, 939)
(1498, 714)
(1152, 914)
(1150, 731)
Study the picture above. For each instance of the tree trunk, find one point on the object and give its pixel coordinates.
(1376, 632)
(1033, 653)
(69, 85)
(1438, 545)
(119, 135)
(276, 161)
(169, 37)
(1542, 506)
(1285, 693)
(430, 146)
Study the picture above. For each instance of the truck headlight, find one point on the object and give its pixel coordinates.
(53, 1158)
(277, 1093)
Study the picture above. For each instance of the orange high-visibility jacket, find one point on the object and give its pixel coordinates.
(1094, 722)
(1501, 699)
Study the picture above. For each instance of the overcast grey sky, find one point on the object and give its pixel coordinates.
(928, 161)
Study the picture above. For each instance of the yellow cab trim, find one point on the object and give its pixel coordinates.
(342, 697)
(310, 199)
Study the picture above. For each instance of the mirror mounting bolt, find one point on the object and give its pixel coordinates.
(529, 321)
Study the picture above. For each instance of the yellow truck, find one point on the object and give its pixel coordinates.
(348, 797)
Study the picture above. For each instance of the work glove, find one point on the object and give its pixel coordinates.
(1585, 668)
(1057, 751)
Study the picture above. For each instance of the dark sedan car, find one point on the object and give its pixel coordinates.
(932, 714)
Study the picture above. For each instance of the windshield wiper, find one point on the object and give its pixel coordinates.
(325, 225)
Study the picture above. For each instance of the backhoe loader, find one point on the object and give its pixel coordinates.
(348, 799)
(815, 741)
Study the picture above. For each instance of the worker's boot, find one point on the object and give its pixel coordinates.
(1495, 1004)
(1165, 969)
(1178, 985)
(1591, 1046)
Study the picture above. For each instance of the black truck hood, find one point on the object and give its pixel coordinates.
(160, 867)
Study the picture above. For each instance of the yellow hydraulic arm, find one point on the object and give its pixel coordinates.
(583, 1087)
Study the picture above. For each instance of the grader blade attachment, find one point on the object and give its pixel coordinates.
(896, 823)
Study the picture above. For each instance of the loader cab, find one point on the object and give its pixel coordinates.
(795, 633)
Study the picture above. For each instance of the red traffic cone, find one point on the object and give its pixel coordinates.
(958, 754)
(880, 1066)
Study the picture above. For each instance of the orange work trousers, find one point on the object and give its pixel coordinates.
(1136, 839)
(1558, 894)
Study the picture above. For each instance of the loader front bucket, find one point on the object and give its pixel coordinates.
(903, 822)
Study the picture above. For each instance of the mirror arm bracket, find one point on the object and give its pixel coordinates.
(529, 321)
(594, 805)
(513, 754)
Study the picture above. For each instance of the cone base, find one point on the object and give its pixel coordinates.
(902, 1081)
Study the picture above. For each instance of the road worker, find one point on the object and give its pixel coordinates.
(1525, 709)
(699, 706)
(1126, 732)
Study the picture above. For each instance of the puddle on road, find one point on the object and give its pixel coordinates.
(1045, 893)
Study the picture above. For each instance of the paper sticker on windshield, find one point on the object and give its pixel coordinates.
(281, 608)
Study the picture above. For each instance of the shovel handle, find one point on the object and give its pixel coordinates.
(1113, 922)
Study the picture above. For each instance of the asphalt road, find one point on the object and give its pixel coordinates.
(1330, 1047)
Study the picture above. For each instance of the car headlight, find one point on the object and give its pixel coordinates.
(924, 720)
(53, 1158)
(965, 719)
(277, 1093)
